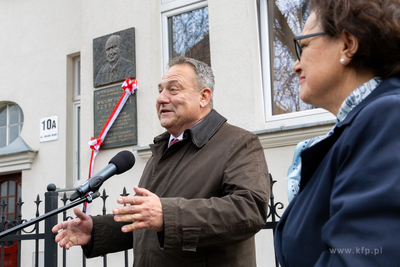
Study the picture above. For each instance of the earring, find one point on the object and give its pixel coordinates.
(343, 61)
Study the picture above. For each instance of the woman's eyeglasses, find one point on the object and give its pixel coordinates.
(297, 45)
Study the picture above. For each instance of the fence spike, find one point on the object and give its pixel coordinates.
(65, 199)
(20, 203)
(3, 206)
(3, 215)
(38, 201)
(104, 196)
(124, 194)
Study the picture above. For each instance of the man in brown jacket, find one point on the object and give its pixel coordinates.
(203, 194)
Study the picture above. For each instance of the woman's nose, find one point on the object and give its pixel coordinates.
(296, 67)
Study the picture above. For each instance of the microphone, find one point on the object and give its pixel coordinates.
(120, 163)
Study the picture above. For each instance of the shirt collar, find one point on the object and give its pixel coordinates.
(201, 132)
(355, 98)
(171, 137)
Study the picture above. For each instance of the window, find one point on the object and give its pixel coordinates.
(280, 21)
(77, 79)
(77, 121)
(11, 121)
(186, 31)
(10, 186)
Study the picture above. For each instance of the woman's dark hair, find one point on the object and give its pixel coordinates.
(375, 24)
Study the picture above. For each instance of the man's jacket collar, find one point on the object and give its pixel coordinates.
(201, 132)
(205, 129)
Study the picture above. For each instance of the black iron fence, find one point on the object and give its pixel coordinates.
(11, 244)
(273, 216)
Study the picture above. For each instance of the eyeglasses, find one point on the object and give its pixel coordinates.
(297, 45)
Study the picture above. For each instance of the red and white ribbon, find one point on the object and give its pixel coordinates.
(95, 146)
(129, 86)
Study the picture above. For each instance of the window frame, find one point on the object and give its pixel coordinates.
(16, 178)
(306, 117)
(20, 123)
(173, 8)
(77, 79)
(76, 106)
(76, 144)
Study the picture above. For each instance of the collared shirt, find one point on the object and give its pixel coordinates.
(294, 173)
(180, 137)
(171, 137)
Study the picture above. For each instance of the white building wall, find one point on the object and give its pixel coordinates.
(235, 59)
(41, 37)
(37, 37)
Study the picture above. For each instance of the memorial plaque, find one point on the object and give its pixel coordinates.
(124, 130)
(114, 57)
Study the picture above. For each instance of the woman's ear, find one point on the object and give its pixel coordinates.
(350, 47)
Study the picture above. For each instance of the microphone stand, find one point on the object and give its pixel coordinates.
(88, 198)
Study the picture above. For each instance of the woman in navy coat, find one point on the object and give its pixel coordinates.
(345, 187)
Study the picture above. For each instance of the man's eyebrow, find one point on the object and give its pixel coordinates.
(160, 85)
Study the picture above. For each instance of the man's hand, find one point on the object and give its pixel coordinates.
(76, 232)
(144, 210)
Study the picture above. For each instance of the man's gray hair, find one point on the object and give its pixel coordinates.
(204, 74)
